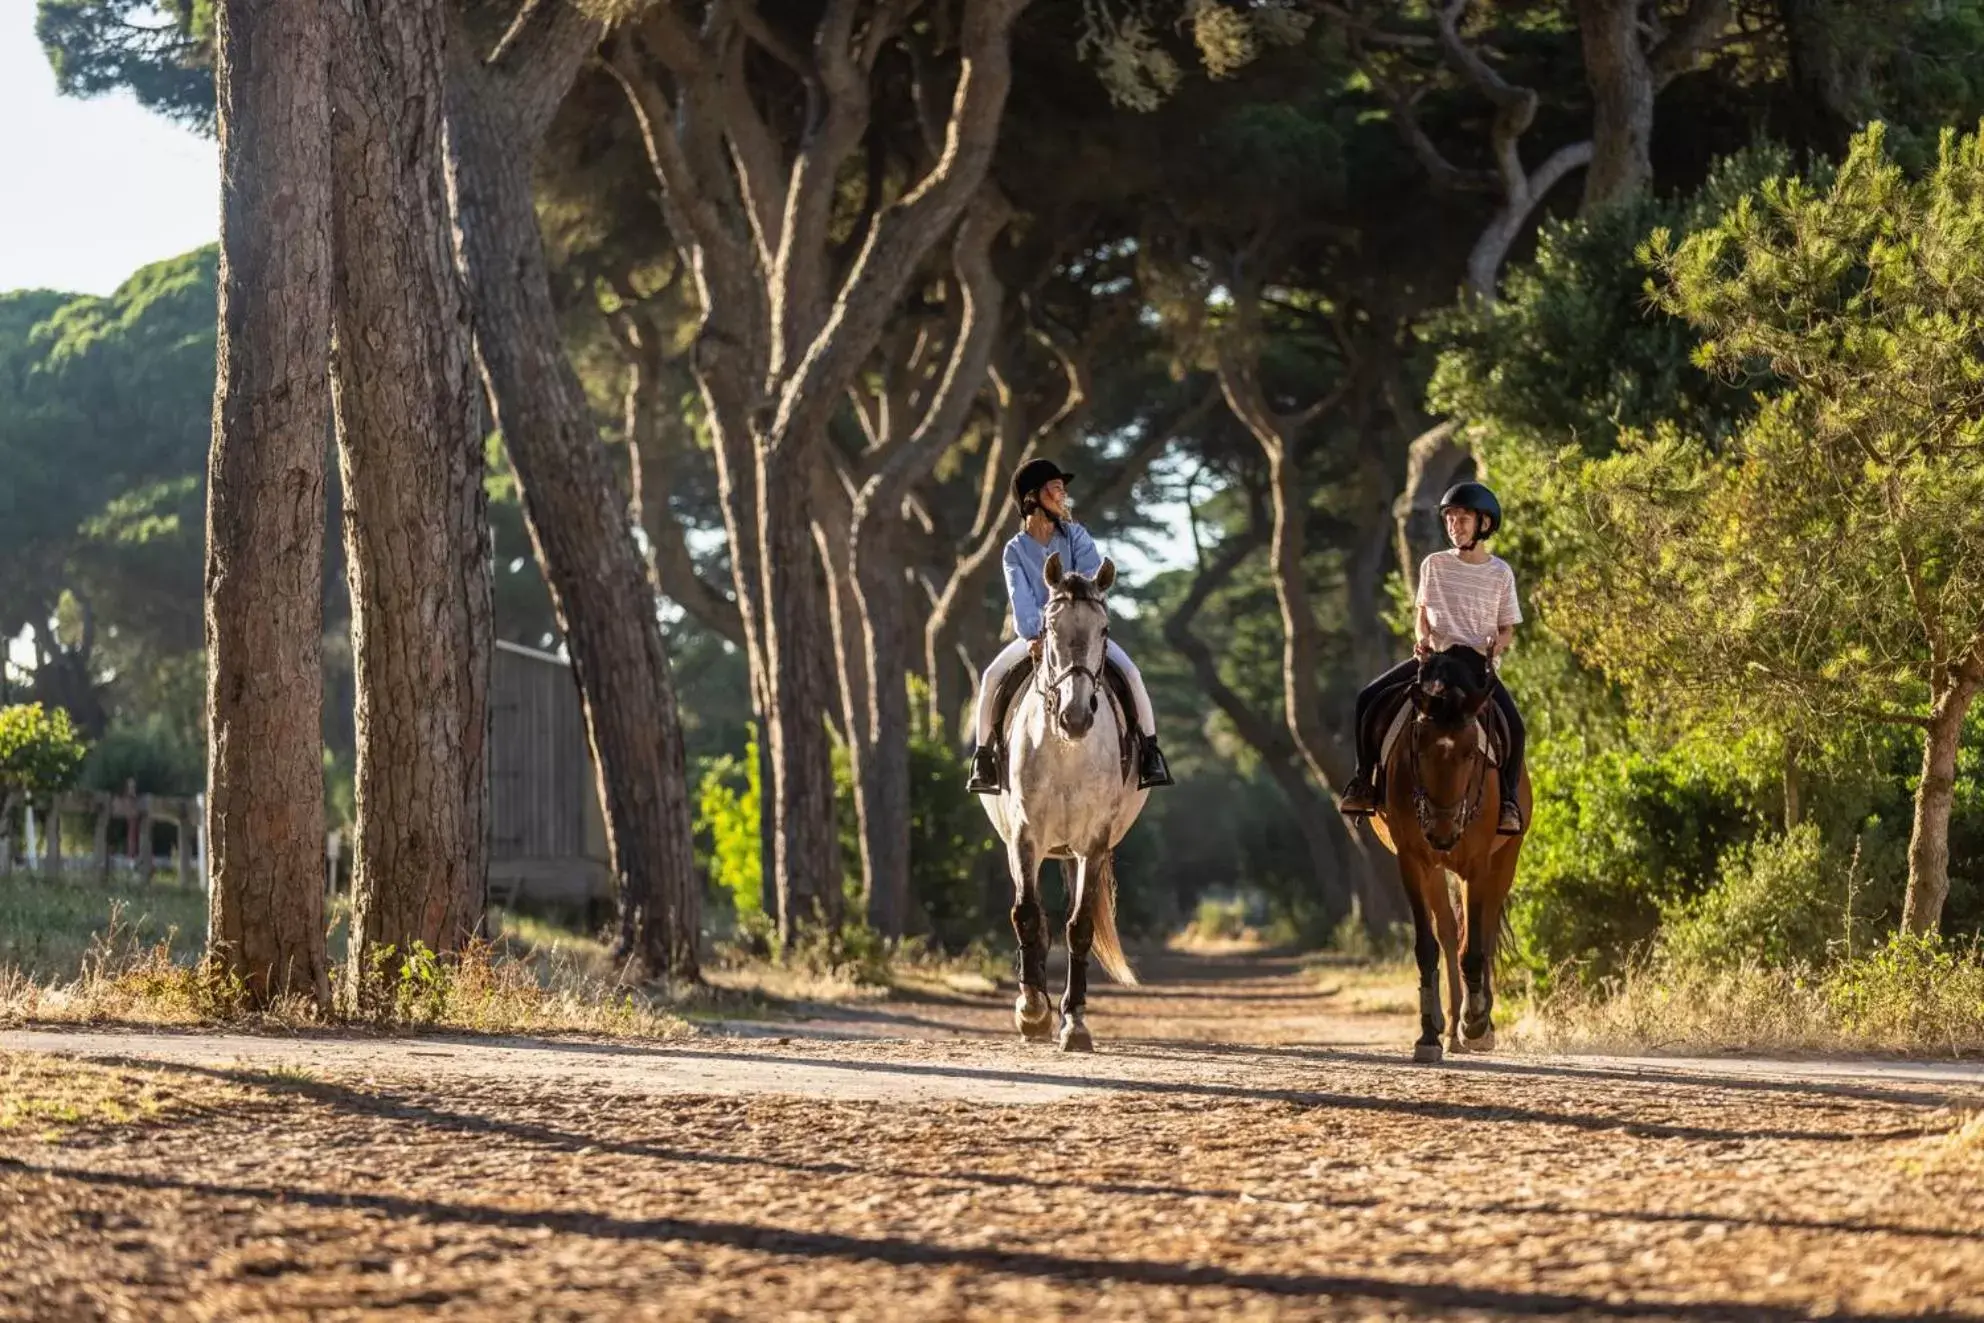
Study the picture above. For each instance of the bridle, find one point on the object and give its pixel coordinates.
(1426, 808)
(1048, 681)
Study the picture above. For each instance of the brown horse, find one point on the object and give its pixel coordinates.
(1439, 817)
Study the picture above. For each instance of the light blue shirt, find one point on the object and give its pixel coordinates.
(1026, 571)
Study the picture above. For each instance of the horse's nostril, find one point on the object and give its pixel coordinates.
(1091, 704)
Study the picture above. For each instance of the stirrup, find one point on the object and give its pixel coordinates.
(1508, 811)
(987, 769)
(1360, 798)
(1152, 770)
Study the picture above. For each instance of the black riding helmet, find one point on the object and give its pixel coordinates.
(1031, 476)
(1476, 497)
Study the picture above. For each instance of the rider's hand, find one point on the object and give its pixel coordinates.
(1422, 649)
(1033, 646)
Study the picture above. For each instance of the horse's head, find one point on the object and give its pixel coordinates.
(1076, 645)
(1453, 688)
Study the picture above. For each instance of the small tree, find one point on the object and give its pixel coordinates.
(40, 752)
(1825, 565)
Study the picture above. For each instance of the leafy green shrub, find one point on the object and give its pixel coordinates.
(148, 752)
(1782, 898)
(39, 750)
(1915, 989)
(950, 838)
(727, 825)
(1619, 839)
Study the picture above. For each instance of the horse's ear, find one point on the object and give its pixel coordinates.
(1105, 576)
(1053, 571)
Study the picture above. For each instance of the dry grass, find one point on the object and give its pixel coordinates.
(46, 1097)
(510, 987)
(1960, 1152)
(93, 962)
(1368, 987)
(1913, 996)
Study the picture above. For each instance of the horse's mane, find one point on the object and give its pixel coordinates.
(1451, 685)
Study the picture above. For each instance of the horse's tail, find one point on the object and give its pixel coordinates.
(1108, 946)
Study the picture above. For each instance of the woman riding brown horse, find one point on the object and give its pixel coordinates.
(1437, 779)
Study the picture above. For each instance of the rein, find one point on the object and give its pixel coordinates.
(1425, 807)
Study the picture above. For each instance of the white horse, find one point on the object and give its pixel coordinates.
(1071, 795)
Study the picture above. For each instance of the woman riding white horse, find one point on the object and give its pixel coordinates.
(1040, 490)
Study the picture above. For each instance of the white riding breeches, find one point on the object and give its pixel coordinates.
(1009, 657)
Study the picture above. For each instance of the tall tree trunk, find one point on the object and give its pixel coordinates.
(1929, 842)
(773, 335)
(416, 514)
(806, 862)
(1622, 89)
(265, 500)
(883, 783)
(1301, 654)
(1625, 74)
(572, 505)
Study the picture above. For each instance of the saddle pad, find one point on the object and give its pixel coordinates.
(1117, 690)
(1403, 718)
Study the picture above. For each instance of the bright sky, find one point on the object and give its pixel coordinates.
(90, 190)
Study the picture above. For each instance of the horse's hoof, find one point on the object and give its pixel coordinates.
(1426, 1054)
(1075, 1037)
(1034, 1015)
(1483, 1042)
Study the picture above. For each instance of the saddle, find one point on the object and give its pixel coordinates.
(1005, 697)
(1393, 715)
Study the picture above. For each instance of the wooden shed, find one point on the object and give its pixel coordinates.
(547, 834)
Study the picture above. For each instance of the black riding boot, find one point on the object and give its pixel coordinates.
(988, 771)
(1360, 797)
(1152, 770)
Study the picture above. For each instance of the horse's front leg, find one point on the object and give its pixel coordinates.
(1426, 954)
(1032, 1011)
(1485, 902)
(1075, 1036)
(1446, 923)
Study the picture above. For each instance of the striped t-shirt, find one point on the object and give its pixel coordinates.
(1466, 603)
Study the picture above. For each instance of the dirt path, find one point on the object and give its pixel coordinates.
(1245, 1144)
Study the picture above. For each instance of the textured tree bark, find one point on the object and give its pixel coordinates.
(1625, 74)
(806, 858)
(1621, 102)
(572, 504)
(878, 556)
(265, 500)
(415, 512)
(1935, 793)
